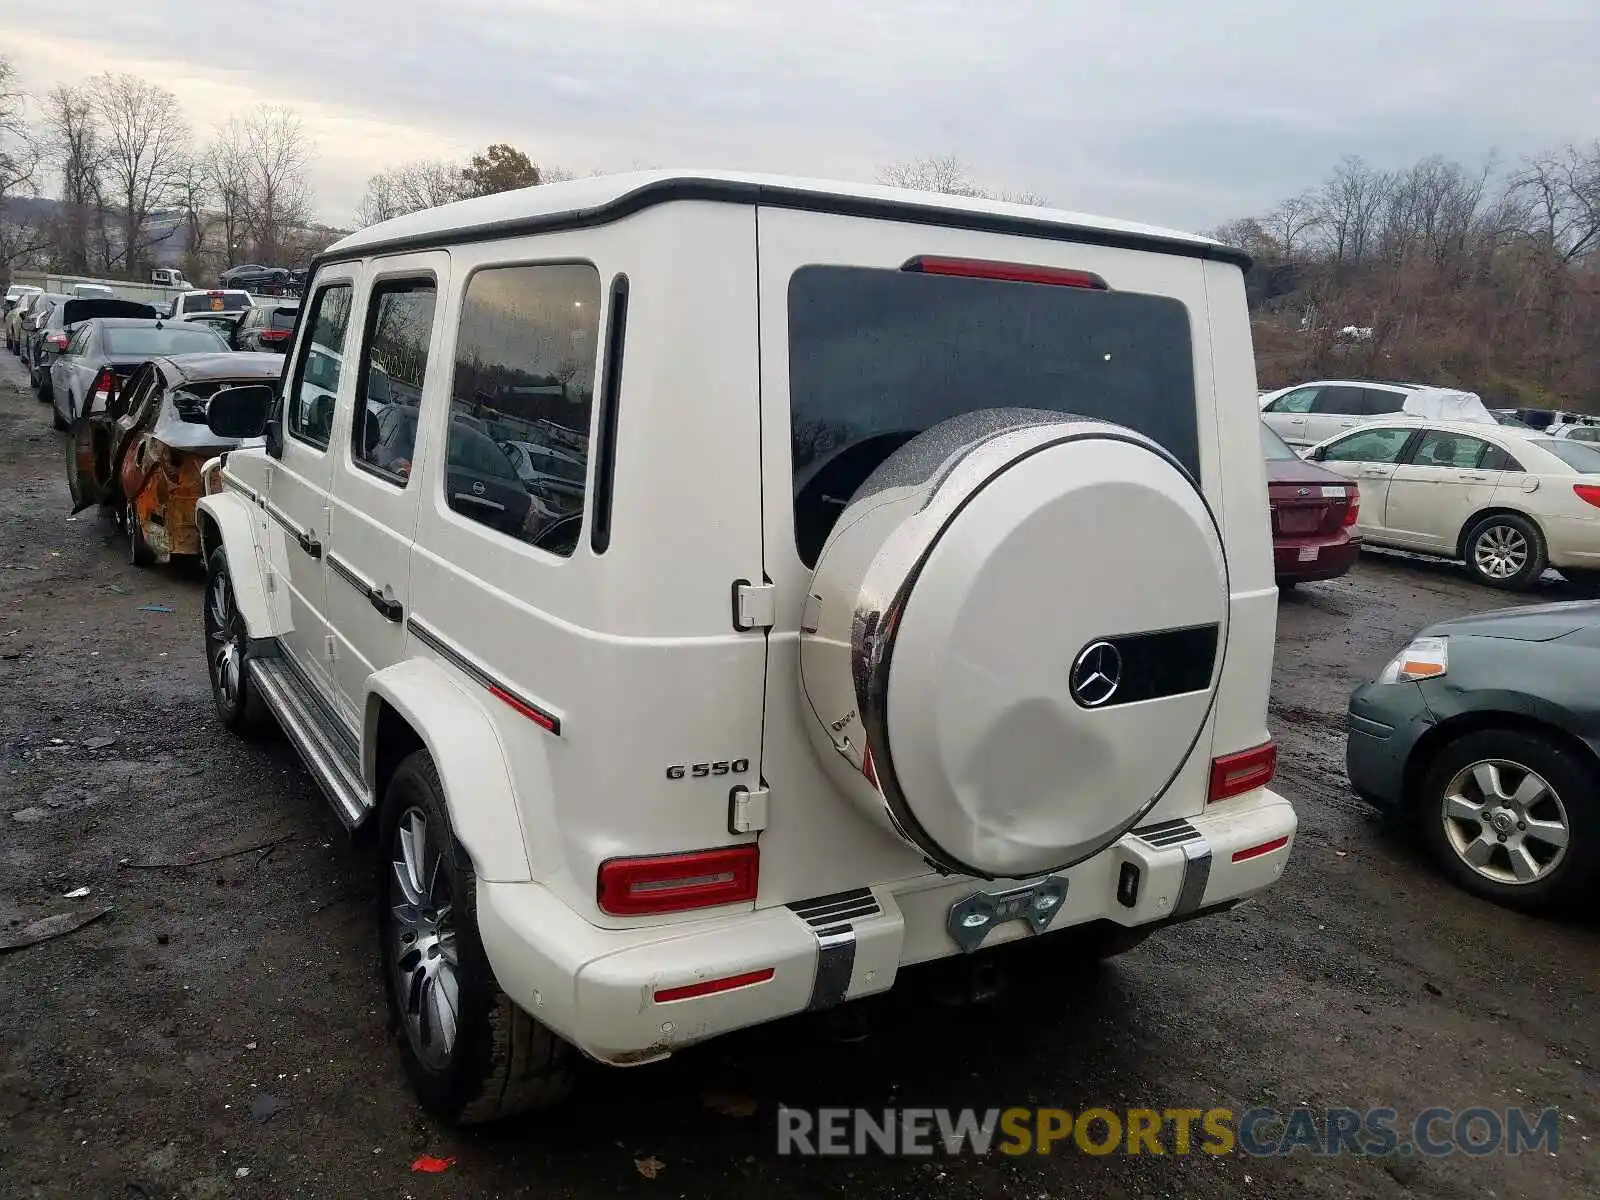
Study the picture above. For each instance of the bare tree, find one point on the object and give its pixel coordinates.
(147, 145)
(947, 174)
(1562, 193)
(227, 167)
(195, 192)
(409, 188)
(1291, 221)
(75, 147)
(1347, 208)
(277, 152)
(19, 160)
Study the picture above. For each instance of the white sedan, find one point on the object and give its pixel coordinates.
(1507, 503)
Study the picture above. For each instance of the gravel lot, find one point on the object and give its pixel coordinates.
(134, 1052)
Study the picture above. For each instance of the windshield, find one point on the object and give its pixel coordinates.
(878, 356)
(150, 341)
(1273, 446)
(1577, 455)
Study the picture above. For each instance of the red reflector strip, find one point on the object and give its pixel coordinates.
(975, 268)
(1236, 774)
(674, 882)
(1258, 851)
(711, 986)
(534, 713)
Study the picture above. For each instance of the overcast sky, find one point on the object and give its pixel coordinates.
(1178, 113)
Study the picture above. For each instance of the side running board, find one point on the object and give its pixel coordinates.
(330, 754)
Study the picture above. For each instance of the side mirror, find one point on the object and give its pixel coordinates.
(240, 412)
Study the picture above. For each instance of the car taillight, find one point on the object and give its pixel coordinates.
(58, 340)
(631, 887)
(1236, 774)
(975, 268)
(1589, 493)
(274, 335)
(105, 384)
(1354, 510)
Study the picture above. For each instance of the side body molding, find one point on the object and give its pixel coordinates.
(467, 751)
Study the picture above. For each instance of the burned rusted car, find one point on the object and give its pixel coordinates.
(138, 450)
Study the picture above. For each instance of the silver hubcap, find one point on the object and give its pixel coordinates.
(1500, 552)
(227, 653)
(423, 942)
(1505, 822)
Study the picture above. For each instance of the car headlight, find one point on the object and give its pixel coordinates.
(1424, 658)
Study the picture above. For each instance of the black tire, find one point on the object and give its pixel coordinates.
(500, 1061)
(139, 552)
(1568, 879)
(242, 710)
(1510, 531)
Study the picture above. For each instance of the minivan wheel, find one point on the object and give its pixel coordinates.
(469, 1052)
(1512, 817)
(228, 653)
(1506, 551)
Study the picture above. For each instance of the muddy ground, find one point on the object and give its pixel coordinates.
(135, 1053)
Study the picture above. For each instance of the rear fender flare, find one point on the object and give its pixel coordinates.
(465, 747)
(228, 521)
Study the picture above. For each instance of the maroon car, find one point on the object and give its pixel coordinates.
(1313, 516)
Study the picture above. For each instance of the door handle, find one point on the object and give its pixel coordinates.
(383, 599)
(1475, 478)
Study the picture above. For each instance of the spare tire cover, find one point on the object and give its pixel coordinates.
(1014, 637)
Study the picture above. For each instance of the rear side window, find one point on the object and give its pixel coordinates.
(309, 403)
(1496, 459)
(524, 381)
(1380, 402)
(394, 364)
(1345, 401)
(1370, 445)
(877, 356)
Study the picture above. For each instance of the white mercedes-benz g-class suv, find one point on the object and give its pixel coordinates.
(913, 595)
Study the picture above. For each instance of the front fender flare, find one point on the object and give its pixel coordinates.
(466, 750)
(236, 523)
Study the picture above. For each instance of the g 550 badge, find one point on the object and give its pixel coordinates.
(705, 770)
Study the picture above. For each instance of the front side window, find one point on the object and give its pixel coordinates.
(394, 363)
(878, 356)
(1370, 445)
(1441, 449)
(308, 406)
(1298, 401)
(522, 395)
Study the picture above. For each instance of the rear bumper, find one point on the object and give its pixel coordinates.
(601, 989)
(1328, 559)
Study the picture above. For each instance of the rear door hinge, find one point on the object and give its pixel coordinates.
(755, 605)
(747, 810)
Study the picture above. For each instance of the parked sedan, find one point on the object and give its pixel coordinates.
(267, 326)
(104, 352)
(32, 324)
(1485, 732)
(1507, 503)
(18, 313)
(1314, 513)
(139, 455)
(57, 328)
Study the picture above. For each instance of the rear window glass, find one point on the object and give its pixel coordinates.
(283, 318)
(1576, 455)
(161, 341)
(877, 356)
(217, 302)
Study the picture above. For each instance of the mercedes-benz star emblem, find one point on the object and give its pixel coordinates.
(1096, 674)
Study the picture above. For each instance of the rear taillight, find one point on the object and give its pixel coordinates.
(631, 887)
(1235, 774)
(58, 340)
(105, 384)
(976, 268)
(1589, 493)
(274, 335)
(1351, 513)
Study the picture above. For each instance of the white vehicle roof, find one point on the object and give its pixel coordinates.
(592, 201)
(1421, 401)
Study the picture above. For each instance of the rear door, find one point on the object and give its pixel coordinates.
(1338, 408)
(1441, 482)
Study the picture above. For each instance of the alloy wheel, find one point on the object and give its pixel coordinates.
(1505, 822)
(1501, 551)
(422, 935)
(227, 646)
